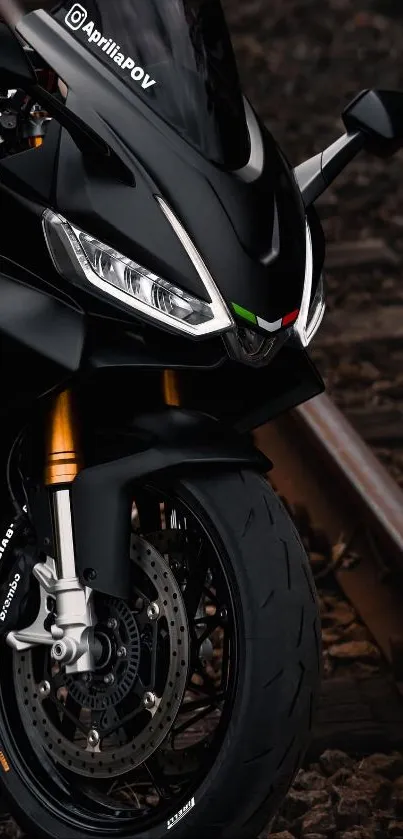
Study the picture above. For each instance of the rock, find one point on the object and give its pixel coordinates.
(341, 777)
(380, 824)
(357, 833)
(352, 809)
(359, 650)
(279, 825)
(355, 632)
(330, 601)
(395, 830)
(9, 830)
(343, 614)
(315, 767)
(375, 789)
(298, 803)
(369, 372)
(363, 669)
(390, 766)
(295, 805)
(328, 664)
(309, 780)
(332, 760)
(330, 636)
(319, 820)
(285, 834)
(314, 836)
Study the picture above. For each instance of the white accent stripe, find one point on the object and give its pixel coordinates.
(302, 320)
(254, 168)
(223, 320)
(269, 327)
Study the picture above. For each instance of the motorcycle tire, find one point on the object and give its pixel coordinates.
(277, 654)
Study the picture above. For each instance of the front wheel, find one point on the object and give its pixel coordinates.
(199, 711)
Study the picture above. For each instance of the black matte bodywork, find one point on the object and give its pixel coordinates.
(186, 66)
(230, 221)
(102, 496)
(107, 154)
(41, 322)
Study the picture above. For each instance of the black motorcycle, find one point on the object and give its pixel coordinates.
(160, 280)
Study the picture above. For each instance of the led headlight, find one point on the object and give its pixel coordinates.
(84, 260)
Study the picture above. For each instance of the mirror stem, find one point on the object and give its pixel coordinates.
(315, 175)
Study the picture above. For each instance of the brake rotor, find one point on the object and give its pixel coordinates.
(114, 753)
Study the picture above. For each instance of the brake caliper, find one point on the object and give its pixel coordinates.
(18, 596)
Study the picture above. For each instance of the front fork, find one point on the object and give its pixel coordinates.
(71, 617)
(71, 620)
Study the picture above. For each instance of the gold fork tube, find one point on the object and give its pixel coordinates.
(171, 388)
(63, 459)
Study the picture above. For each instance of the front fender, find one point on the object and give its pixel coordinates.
(102, 496)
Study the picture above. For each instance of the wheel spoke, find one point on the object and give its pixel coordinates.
(211, 621)
(124, 721)
(193, 720)
(195, 704)
(196, 585)
(214, 624)
(212, 596)
(142, 619)
(67, 714)
(70, 719)
(156, 778)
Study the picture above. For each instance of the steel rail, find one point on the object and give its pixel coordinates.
(322, 465)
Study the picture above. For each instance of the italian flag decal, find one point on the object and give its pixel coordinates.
(287, 320)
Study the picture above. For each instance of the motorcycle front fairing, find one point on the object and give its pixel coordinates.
(216, 205)
(248, 224)
(185, 68)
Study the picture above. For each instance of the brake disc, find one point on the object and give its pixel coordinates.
(43, 703)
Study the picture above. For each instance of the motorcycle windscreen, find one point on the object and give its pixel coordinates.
(177, 55)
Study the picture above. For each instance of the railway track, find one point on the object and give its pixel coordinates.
(322, 466)
(349, 512)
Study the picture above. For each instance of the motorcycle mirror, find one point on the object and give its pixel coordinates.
(15, 67)
(378, 115)
(374, 121)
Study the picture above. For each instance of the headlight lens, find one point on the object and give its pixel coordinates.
(83, 259)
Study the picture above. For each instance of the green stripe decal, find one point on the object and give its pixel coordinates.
(244, 313)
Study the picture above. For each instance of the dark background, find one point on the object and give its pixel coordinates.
(301, 61)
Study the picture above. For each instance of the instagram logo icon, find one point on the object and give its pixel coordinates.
(76, 17)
